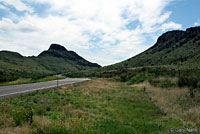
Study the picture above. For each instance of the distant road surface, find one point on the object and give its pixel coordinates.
(24, 88)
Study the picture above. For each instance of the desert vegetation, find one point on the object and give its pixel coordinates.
(94, 107)
(177, 96)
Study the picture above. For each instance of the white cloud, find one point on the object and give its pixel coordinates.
(170, 25)
(7, 25)
(80, 21)
(17, 4)
(196, 24)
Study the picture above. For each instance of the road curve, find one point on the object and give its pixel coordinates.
(6, 91)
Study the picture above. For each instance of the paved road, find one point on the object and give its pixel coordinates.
(24, 88)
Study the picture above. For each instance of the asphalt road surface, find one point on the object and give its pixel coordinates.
(6, 91)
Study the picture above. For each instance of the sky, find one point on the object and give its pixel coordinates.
(101, 31)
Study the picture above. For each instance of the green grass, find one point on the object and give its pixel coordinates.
(27, 81)
(94, 107)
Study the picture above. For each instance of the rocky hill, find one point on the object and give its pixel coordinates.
(56, 59)
(172, 48)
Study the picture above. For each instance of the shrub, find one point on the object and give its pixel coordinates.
(41, 110)
(163, 83)
(21, 115)
(188, 81)
(137, 79)
(123, 77)
(198, 84)
(191, 82)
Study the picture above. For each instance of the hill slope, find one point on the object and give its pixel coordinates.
(59, 59)
(172, 48)
(56, 59)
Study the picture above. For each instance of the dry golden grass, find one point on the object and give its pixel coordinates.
(91, 88)
(18, 81)
(139, 85)
(25, 129)
(172, 79)
(166, 99)
(6, 120)
(42, 121)
(102, 84)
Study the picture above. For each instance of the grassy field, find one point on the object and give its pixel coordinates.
(29, 80)
(175, 102)
(100, 106)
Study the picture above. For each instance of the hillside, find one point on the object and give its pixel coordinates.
(172, 48)
(56, 59)
(59, 59)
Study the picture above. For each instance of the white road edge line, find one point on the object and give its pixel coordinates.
(4, 95)
(4, 87)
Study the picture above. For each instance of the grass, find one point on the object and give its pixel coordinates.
(29, 80)
(175, 102)
(100, 106)
(164, 82)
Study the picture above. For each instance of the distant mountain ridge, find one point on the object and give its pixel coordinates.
(57, 59)
(172, 48)
(176, 48)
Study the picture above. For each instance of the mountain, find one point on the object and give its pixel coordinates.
(172, 48)
(57, 59)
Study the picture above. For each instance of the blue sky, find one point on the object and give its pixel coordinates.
(185, 12)
(102, 31)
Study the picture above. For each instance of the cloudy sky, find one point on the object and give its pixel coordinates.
(102, 31)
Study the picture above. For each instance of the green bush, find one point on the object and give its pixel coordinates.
(123, 77)
(166, 83)
(21, 115)
(189, 81)
(192, 82)
(137, 79)
(40, 110)
(198, 85)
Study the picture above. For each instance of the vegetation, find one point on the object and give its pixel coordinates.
(177, 96)
(53, 61)
(164, 82)
(150, 93)
(191, 82)
(137, 79)
(175, 102)
(94, 107)
(176, 48)
(126, 74)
